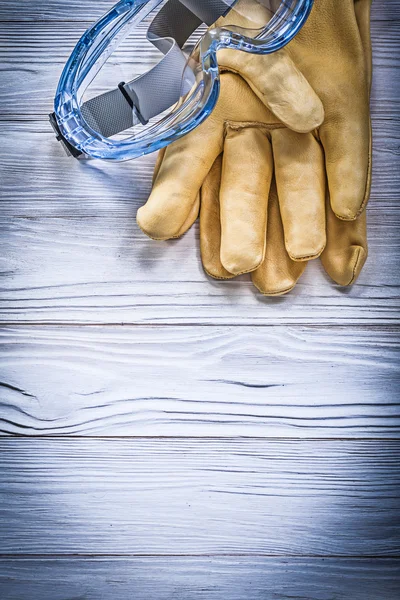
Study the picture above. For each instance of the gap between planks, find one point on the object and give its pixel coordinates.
(389, 328)
(100, 556)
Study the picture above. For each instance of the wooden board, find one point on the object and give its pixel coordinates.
(174, 497)
(194, 578)
(76, 10)
(279, 381)
(303, 501)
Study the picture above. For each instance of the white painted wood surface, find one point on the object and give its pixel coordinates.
(281, 479)
(218, 381)
(200, 578)
(200, 497)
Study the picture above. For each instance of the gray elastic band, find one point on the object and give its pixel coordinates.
(162, 86)
(109, 113)
(208, 11)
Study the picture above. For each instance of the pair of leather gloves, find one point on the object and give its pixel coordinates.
(280, 172)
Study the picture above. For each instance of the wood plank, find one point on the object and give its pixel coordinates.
(123, 496)
(57, 10)
(193, 578)
(38, 178)
(35, 53)
(105, 270)
(196, 381)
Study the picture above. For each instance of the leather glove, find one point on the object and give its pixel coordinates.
(240, 128)
(174, 203)
(343, 258)
(175, 200)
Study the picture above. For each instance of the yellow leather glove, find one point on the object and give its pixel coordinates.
(240, 127)
(343, 257)
(175, 200)
(247, 171)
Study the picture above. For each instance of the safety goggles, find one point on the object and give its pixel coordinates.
(172, 51)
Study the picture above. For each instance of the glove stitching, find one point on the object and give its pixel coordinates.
(309, 257)
(367, 192)
(238, 125)
(355, 267)
(277, 293)
(369, 176)
(218, 277)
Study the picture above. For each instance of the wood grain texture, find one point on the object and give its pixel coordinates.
(105, 270)
(55, 10)
(196, 578)
(259, 518)
(174, 497)
(280, 381)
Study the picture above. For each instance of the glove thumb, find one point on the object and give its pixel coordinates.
(279, 84)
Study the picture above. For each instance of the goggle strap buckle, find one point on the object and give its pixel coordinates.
(70, 150)
(134, 107)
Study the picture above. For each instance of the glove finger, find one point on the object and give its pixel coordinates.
(301, 184)
(193, 214)
(274, 78)
(246, 179)
(173, 204)
(278, 274)
(347, 145)
(210, 224)
(362, 9)
(279, 84)
(346, 249)
(157, 166)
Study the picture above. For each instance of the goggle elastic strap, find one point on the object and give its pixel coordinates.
(140, 100)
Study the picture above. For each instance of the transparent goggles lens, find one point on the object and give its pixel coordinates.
(147, 73)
